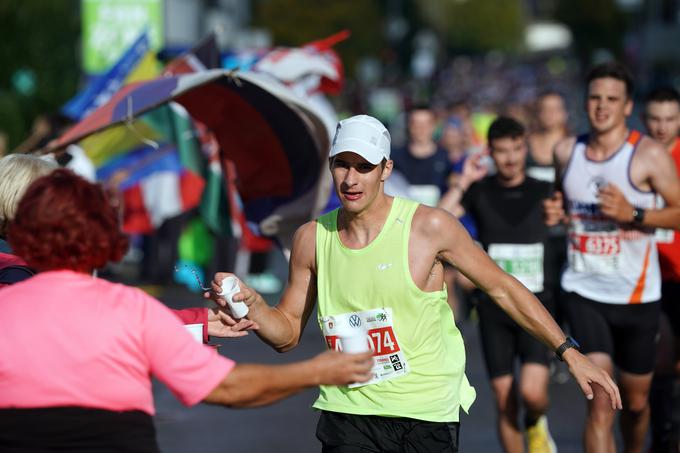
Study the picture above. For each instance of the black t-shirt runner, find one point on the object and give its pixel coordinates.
(511, 226)
(432, 170)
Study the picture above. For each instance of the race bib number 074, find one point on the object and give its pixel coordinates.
(377, 328)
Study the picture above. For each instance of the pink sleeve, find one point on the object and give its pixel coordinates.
(189, 369)
(196, 315)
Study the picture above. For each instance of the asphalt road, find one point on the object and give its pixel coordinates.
(289, 426)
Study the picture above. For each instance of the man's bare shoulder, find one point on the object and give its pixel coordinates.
(431, 222)
(563, 150)
(304, 244)
(651, 160)
(648, 148)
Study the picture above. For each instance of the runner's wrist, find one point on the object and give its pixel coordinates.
(637, 215)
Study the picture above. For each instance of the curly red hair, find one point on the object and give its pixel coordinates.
(66, 222)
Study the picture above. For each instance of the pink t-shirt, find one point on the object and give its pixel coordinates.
(68, 339)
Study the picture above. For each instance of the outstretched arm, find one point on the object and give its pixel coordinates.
(257, 385)
(457, 248)
(282, 325)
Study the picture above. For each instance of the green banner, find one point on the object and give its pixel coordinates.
(111, 26)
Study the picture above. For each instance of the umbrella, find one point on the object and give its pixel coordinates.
(276, 139)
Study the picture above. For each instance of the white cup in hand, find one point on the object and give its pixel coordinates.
(230, 287)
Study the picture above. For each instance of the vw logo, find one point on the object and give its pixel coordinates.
(354, 321)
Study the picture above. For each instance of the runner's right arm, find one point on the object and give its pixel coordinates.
(473, 170)
(281, 326)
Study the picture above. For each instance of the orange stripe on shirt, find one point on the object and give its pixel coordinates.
(634, 137)
(636, 296)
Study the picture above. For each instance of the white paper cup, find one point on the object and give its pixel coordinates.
(196, 331)
(355, 344)
(230, 287)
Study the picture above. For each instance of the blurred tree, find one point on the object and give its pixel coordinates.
(39, 55)
(476, 25)
(296, 22)
(595, 24)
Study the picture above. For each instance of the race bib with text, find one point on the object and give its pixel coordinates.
(377, 327)
(598, 253)
(522, 261)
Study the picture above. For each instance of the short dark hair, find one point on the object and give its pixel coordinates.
(614, 70)
(419, 107)
(663, 94)
(504, 127)
(66, 222)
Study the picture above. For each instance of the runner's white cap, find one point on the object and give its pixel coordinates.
(363, 135)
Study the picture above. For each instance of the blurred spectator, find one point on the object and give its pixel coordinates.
(102, 342)
(453, 142)
(662, 120)
(550, 127)
(17, 172)
(462, 111)
(424, 164)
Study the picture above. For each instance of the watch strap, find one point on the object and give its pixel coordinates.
(638, 215)
(568, 343)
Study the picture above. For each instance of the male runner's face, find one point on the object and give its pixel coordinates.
(662, 120)
(607, 104)
(509, 154)
(357, 181)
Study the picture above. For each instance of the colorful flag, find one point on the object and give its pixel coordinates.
(136, 64)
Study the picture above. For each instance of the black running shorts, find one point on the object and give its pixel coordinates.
(347, 433)
(627, 333)
(503, 340)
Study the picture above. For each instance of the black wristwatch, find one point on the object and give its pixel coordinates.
(568, 343)
(638, 215)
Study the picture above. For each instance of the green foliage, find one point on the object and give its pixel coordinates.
(39, 36)
(296, 22)
(476, 25)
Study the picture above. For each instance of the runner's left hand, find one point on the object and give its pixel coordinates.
(613, 204)
(587, 373)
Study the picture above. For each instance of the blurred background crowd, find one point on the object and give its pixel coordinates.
(467, 61)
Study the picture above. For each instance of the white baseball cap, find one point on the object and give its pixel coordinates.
(363, 135)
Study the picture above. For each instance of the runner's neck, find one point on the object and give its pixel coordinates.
(601, 146)
(359, 229)
(513, 182)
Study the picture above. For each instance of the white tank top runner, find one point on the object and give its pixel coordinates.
(609, 262)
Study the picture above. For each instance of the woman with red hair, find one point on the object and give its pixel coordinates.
(85, 381)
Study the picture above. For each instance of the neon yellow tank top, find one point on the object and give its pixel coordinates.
(415, 330)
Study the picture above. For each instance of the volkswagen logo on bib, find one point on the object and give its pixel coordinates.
(354, 321)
